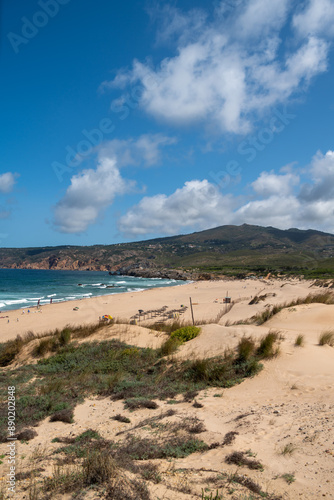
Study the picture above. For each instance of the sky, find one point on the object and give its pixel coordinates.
(124, 121)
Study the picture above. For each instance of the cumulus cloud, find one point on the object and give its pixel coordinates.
(146, 150)
(231, 69)
(269, 183)
(7, 181)
(197, 204)
(321, 188)
(275, 200)
(89, 193)
(93, 190)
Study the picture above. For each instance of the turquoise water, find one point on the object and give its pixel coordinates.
(21, 288)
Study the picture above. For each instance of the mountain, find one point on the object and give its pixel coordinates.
(224, 250)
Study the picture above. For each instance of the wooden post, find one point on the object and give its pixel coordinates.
(192, 312)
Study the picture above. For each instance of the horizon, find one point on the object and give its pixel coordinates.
(125, 125)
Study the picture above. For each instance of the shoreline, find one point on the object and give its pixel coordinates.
(23, 305)
(207, 298)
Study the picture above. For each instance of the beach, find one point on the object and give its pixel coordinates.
(207, 298)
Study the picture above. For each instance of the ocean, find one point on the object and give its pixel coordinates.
(23, 288)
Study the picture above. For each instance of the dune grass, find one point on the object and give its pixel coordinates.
(326, 297)
(300, 340)
(327, 338)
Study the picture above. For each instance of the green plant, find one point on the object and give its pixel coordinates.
(9, 350)
(173, 447)
(169, 346)
(246, 348)
(120, 418)
(299, 342)
(186, 333)
(287, 449)
(267, 348)
(88, 436)
(238, 458)
(327, 338)
(134, 404)
(289, 478)
(45, 346)
(64, 337)
(217, 496)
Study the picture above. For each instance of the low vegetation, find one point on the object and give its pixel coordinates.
(54, 385)
(288, 449)
(327, 338)
(289, 478)
(300, 341)
(268, 345)
(239, 458)
(186, 333)
(326, 297)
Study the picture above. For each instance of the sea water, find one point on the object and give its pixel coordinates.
(23, 288)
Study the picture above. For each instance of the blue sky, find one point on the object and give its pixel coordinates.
(125, 121)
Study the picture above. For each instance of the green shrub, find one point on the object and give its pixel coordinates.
(186, 333)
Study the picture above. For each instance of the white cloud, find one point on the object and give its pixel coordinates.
(176, 26)
(269, 184)
(7, 181)
(316, 18)
(200, 205)
(146, 150)
(321, 188)
(260, 17)
(228, 70)
(90, 192)
(93, 190)
(197, 204)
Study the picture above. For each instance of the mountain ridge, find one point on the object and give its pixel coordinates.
(215, 249)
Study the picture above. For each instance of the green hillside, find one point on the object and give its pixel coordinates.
(222, 250)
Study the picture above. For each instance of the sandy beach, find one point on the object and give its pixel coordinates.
(288, 405)
(207, 298)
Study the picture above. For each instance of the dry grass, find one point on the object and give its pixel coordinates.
(63, 416)
(238, 458)
(318, 298)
